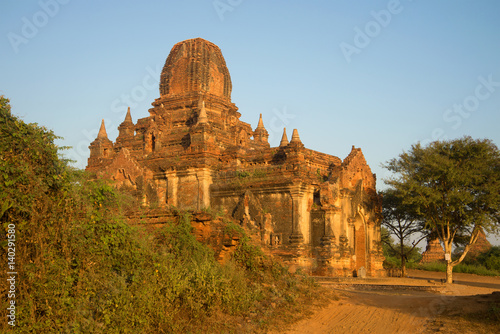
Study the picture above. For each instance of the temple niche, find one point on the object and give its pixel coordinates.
(316, 211)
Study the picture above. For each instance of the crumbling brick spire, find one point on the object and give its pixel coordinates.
(101, 147)
(295, 137)
(284, 139)
(261, 123)
(102, 131)
(260, 134)
(128, 118)
(126, 128)
(295, 142)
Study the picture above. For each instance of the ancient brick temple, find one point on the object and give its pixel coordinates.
(315, 210)
(481, 245)
(434, 252)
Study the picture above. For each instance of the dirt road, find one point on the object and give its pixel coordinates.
(401, 310)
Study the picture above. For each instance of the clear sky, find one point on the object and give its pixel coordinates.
(380, 75)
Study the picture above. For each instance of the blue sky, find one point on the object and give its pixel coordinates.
(380, 75)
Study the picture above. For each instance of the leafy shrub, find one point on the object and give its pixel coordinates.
(491, 258)
(242, 174)
(475, 269)
(391, 262)
(82, 268)
(460, 268)
(433, 266)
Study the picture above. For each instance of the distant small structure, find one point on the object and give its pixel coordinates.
(434, 252)
(480, 246)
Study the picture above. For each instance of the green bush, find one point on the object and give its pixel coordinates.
(82, 268)
(475, 269)
(392, 262)
(486, 263)
(491, 258)
(460, 268)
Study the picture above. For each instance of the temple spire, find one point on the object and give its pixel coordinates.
(102, 131)
(260, 134)
(295, 137)
(261, 123)
(128, 118)
(284, 139)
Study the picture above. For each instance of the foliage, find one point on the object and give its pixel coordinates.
(454, 186)
(319, 176)
(259, 173)
(486, 263)
(194, 281)
(242, 174)
(489, 259)
(249, 255)
(400, 221)
(29, 165)
(246, 176)
(386, 239)
(214, 212)
(393, 259)
(393, 256)
(82, 268)
(476, 269)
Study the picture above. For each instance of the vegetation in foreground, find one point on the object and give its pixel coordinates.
(82, 269)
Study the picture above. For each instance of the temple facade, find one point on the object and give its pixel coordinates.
(316, 211)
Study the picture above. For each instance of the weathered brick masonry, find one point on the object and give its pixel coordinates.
(315, 210)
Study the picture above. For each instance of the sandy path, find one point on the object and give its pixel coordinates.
(362, 312)
(400, 311)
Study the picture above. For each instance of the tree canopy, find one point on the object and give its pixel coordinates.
(29, 163)
(454, 186)
(401, 221)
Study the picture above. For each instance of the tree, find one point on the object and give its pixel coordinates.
(402, 222)
(454, 186)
